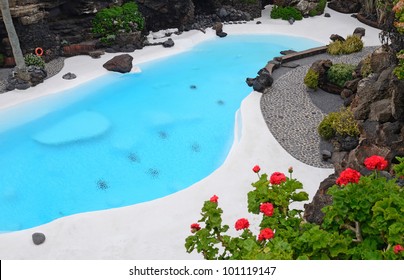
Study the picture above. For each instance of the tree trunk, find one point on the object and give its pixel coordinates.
(21, 70)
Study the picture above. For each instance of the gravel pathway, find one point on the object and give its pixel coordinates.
(292, 113)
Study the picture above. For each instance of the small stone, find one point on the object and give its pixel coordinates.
(38, 238)
(250, 81)
(221, 34)
(192, 87)
(291, 20)
(327, 15)
(96, 54)
(290, 65)
(69, 76)
(285, 52)
(360, 32)
(258, 22)
(326, 155)
(169, 43)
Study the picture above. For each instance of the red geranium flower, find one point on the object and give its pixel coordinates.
(242, 224)
(256, 169)
(277, 178)
(375, 162)
(397, 249)
(214, 198)
(348, 176)
(195, 227)
(265, 234)
(267, 208)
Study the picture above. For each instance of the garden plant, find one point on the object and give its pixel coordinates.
(364, 221)
(110, 21)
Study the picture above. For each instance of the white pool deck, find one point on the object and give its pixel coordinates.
(157, 229)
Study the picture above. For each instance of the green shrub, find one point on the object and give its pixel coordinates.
(366, 69)
(363, 222)
(111, 21)
(340, 73)
(340, 123)
(285, 13)
(1, 60)
(34, 60)
(311, 79)
(399, 70)
(319, 9)
(335, 48)
(352, 44)
(325, 128)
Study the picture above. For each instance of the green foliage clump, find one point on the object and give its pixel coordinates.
(399, 70)
(110, 21)
(285, 13)
(366, 69)
(370, 213)
(335, 48)
(352, 44)
(319, 9)
(1, 59)
(399, 168)
(363, 222)
(340, 123)
(340, 73)
(311, 79)
(34, 60)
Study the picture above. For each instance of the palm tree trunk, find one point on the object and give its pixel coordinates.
(21, 70)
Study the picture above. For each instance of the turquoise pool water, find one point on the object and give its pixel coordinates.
(125, 139)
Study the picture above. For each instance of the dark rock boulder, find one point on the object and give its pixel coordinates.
(166, 14)
(120, 63)
(169, 43)
(382, 58)
(360, 32)
(321, 67)
(263, 81)
(38, 238)
(336, 37)
(345, 6)
(312, 210)
(37, 75)
(69, 76)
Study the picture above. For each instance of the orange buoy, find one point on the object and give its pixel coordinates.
(39, 51)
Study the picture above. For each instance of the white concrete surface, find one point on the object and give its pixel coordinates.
(157, 229)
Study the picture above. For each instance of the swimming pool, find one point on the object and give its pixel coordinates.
(125, 139)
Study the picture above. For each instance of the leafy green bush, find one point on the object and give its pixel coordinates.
(340, 73)
(285, 13)
(340, 123)
(352, 44)
(363, 222)
(326, 128)
(335, 48)
(311, 79)
(319, 9)
(366, 69)
(399, 70)
(111, 21)
(34, 60)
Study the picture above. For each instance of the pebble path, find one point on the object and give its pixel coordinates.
(292, 113)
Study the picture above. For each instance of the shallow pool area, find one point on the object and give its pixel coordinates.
(125, 139)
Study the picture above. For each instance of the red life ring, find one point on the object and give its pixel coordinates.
(39, 51)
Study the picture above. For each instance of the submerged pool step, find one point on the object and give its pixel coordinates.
(79, 127)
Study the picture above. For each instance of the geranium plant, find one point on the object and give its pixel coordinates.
(364, 221)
